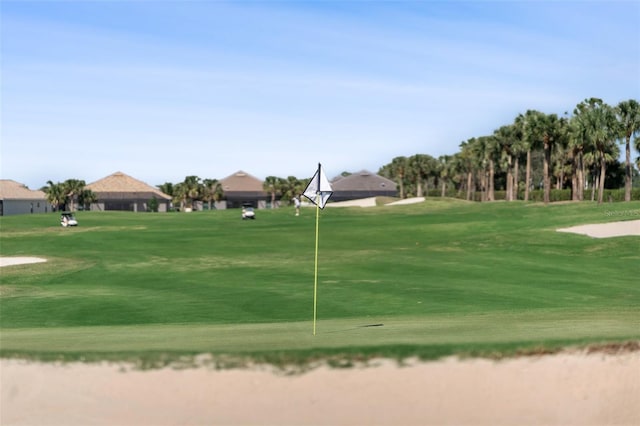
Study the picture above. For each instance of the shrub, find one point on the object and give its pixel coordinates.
(617, 195)
(153, 205)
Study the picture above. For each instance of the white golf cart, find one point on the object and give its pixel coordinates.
(68, 219)
(248, 212)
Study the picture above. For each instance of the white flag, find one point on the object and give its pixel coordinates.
(319, 190)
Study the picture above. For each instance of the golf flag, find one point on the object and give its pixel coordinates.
(318, 192)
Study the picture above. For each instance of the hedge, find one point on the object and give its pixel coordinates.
(537, 195)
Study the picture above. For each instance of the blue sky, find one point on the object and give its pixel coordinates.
(165, 89)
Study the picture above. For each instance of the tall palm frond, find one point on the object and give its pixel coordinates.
(628, 117)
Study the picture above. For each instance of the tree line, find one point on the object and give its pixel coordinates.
(575, 150)
(193, 189)
(68, 195)
(73, 194)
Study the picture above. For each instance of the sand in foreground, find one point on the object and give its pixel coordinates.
(564, 389)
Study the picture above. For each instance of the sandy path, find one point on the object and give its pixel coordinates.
(564, 389)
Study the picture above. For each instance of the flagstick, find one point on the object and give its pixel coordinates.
(315, 279)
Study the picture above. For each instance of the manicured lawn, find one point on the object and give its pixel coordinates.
(442, 277)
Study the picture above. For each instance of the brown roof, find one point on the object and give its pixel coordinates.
(241, 182)
(122, 183)
(12, 190)
(363, 181)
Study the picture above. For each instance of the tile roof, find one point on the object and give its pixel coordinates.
(363, 181)
(122, 183)
(241, 182)
(12, 190)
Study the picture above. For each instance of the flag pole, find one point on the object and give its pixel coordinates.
(315, 278)
(318, 192)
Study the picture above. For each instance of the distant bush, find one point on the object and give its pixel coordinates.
(554, 195)
(153, 205)
(616, 195)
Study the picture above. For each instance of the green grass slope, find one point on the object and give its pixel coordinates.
(442, 277)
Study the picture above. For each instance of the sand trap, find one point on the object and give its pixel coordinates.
(413, 200)
(563, 389)
(372, 202)
(362, 202)
(10, 261)
(607, 230)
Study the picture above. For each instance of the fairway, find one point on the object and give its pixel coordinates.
(428, 280)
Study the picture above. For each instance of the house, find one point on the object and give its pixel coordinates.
(362, 184)
(16, 198)
(124, 193)
(241, 189)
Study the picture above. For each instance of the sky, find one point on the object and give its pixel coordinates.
(161, 90)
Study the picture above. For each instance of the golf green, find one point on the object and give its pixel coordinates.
(429, 279)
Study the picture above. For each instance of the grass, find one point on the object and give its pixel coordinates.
(443, 277)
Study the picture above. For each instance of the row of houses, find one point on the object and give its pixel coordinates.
(122, 192)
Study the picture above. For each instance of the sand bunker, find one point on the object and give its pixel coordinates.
(10, 261)
(362, 202)
(563, 389)
(413, 200)
(607, 230)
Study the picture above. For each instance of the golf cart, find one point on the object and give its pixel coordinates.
(68, 219)
(248, 212)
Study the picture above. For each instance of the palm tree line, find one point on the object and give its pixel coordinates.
(73, 194)
(68, 195)
(575, 150)
(194, 189)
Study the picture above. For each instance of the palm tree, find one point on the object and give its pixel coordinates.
(523, 124)
(607, 148)
(179, 195)
(466, 164)
(638, 149)
(485, 154)
(188, 191)
(574, 151)
(446, 171)
(546, 129)
(291, 187)
(478, 165)
(560, 154)
(72, 190)
(578, 145)
(492, 153)
(560, 162)
(457, 173)
(504, 138)
(420, 167)
(628, 115)
(86, 198)
(55, 194)
(519, 147)
(166, 188)
(599, 129)
(396, 170)
(211, 191)
(272, 185)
